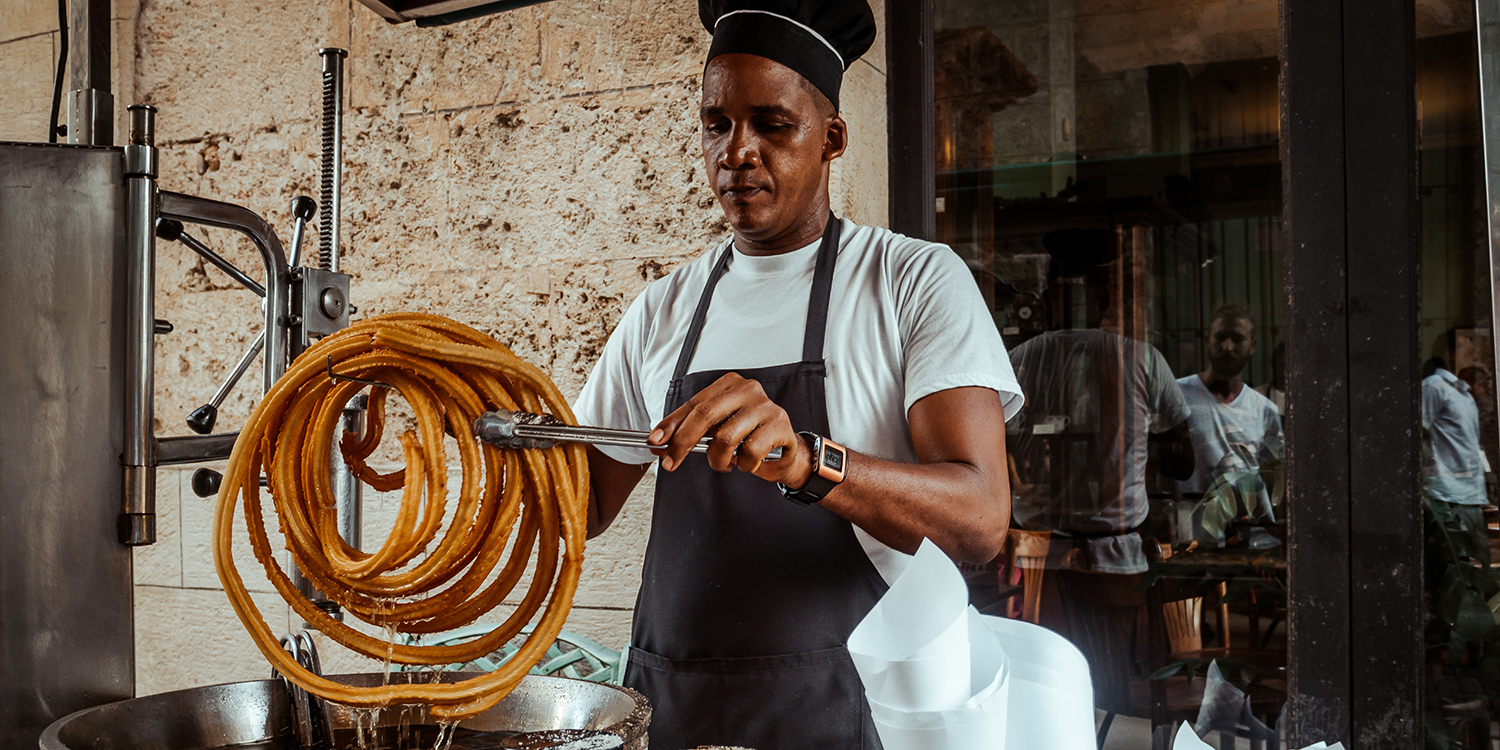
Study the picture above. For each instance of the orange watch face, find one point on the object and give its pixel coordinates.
(832, 463)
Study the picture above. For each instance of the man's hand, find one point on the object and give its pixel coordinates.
(737, 414)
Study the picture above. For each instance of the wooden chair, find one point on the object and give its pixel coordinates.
(1026, 553)
(1175, 633)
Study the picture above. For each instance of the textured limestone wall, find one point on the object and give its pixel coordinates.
(526, 173)
(28, 55)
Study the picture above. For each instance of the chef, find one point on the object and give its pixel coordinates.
(867, 357)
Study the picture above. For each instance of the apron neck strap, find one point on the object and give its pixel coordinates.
(822, 289)
(817, 304)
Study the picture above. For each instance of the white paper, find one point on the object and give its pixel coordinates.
(938, 675)
(1051, 700)
(912, 649)
(1187, 739)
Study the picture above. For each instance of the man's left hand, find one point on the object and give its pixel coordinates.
(745, 425)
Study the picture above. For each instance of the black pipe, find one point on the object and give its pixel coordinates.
(62, 65)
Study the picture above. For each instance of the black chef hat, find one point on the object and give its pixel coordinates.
(819, 39)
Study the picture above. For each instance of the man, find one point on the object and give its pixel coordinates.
(1234, 429)
(1102, 412)
(867, 357)
(1453, 463)
(1096, 402)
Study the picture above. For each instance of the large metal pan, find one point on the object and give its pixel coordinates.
(243, 713)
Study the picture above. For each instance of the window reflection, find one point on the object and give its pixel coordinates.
(1110, 171)
(1457, 401)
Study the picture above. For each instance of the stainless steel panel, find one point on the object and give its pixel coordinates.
(91, 117)
(65, 583)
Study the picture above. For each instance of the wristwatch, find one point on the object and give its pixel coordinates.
(829, 461)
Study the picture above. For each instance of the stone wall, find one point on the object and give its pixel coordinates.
(526, 173)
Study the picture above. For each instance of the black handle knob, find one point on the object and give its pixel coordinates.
(168, 229)
(202, 419)
(162, 326)
(304, 207)
(206, 482)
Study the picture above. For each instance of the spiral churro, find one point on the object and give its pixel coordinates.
(423, 579)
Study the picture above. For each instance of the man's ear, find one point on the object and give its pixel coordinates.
(835, 139)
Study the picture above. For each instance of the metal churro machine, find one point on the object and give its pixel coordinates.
(79, 223)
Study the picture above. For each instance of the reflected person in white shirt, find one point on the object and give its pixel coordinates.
(1235, 430)
(1453, 463)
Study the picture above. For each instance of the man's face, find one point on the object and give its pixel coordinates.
(1231, 341)
(767, 142)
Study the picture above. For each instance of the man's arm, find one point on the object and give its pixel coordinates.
(610, 483)
(958, 495)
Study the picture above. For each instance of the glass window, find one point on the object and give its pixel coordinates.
(1111, 174)
(1459, 439)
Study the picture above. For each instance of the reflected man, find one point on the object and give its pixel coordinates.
(1453, 463)
(1101, 411)
(1095, 400)
(1235, 430)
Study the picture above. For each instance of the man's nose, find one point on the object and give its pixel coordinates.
(741, 151)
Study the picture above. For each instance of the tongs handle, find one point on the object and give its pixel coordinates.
(519, 429)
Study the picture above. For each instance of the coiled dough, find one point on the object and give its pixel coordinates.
(425, 578)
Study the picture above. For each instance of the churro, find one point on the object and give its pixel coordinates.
(424, 578)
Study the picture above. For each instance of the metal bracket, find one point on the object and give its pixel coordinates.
(350, 378)
(320, 305)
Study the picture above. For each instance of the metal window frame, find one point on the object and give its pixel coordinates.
(1349, 174)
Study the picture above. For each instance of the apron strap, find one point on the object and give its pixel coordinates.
(822, 289)
(817, 305)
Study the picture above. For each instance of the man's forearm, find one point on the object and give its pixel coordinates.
(957, 494)
(963, 509)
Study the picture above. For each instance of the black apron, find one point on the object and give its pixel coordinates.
(747, 598)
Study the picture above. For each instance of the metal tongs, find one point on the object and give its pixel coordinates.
(518, 429)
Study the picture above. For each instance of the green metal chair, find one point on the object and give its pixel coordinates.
(572, 655)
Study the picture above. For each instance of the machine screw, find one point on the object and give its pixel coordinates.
(333, 302)
(295, 320)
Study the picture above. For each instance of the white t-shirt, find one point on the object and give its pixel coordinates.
(1234, 438)
(1095, 397)
(905, 320)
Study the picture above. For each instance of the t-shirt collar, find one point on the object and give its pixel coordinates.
(1452, 380)
(798, 261)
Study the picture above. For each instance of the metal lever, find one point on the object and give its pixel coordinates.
(519, 429)
(171, 229)
(202, 419)
(303, 209)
